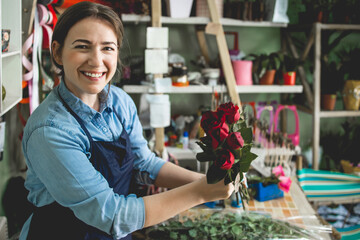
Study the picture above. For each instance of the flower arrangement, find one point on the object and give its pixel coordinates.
(227, 146)
(277, 177)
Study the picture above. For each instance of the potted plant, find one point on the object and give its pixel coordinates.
(350, 71)
(289, 65)
(330, 84)
(267, 188)
(265, 67)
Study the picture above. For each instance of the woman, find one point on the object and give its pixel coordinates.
(84, 142)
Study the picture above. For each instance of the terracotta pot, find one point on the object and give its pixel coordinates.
(351, 95)
(328, 101)
(268, 78)
(289, 78)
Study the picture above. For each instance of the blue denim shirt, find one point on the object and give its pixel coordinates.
(56, 152)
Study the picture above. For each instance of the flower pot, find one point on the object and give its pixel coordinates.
(265, 193)
(289, 78)
(242, 72)
(351, 95)
(268, 78)
(328, 101)
(179, 9)
(202, 9)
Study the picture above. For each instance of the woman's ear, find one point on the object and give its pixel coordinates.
(56, 52)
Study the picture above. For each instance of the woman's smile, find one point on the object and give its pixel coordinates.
(89, 58)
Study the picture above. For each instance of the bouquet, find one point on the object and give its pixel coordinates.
(227, 146)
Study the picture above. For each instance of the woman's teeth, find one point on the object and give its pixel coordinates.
(96, 75)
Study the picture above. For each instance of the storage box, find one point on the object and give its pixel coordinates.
(269, 192)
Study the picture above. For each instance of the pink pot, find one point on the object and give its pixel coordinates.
(242, 71)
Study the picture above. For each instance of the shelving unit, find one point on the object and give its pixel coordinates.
(10, 62)
(203, 89)
(133, 18)
(317, 112)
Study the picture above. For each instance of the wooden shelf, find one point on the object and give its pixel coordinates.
(203, 89)
(332, 114)
(133, 18)
(9, 54)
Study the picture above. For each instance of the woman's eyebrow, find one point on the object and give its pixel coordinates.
(88, 42)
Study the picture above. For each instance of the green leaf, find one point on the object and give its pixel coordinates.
(173, 235)
(183, 237)
(236, 230)
(247, 135)
(246, 160)
(215, 174)
(193, 233)
(204, 147)
(236, 153)
(205, 157)
(188, 224)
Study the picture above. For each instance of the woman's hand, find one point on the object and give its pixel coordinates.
(213, 192)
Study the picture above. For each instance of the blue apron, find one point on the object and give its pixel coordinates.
(114, 160)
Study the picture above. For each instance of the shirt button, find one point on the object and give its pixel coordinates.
(105, 129)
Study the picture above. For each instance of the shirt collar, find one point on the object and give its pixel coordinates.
(85, 112)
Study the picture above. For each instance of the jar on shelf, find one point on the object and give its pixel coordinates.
(179, 76)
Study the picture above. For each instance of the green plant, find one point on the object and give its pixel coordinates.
(349, 62)
(264, 62)
(230, 226)
(331, 80)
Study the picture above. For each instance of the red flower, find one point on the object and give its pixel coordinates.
(278, 171)
(234, 140)
(231, 112)
(219, 133)
(208, 120)
(285, 183)
(225, 159)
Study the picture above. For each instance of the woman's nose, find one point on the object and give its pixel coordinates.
(95, 58)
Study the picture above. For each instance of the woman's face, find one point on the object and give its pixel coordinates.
(89, 57)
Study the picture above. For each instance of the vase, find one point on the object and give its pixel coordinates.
(268, 78)
(265, 193)
(328, 101)
(179, 9)
(242, 72)
(289, 78)
(351, 95)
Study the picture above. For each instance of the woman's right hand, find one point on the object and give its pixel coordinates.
(213, 192)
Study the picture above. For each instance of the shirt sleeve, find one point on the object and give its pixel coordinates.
(58, 159)
(145, 160)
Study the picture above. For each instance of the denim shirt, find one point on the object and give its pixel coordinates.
(57, 156)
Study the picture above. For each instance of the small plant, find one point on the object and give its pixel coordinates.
(264, 62)
(349, 66)
(331, 80)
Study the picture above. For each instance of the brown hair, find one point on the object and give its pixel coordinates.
(78, 12)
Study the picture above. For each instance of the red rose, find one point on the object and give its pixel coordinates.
(211, 121)
(219, 133)
(208, 120)
(225, 159)
(234, 140)
(231, 112)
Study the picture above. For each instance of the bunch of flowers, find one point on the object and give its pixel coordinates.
(227, 146)
(277, 177)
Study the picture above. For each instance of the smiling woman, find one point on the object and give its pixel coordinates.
(84, 144)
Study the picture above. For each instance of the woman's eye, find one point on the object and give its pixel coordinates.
(109, 49)
(81, 46)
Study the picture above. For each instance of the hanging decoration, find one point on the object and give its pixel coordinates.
(45, 19)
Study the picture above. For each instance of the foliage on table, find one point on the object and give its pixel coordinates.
(229, 226)
(227, 146)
